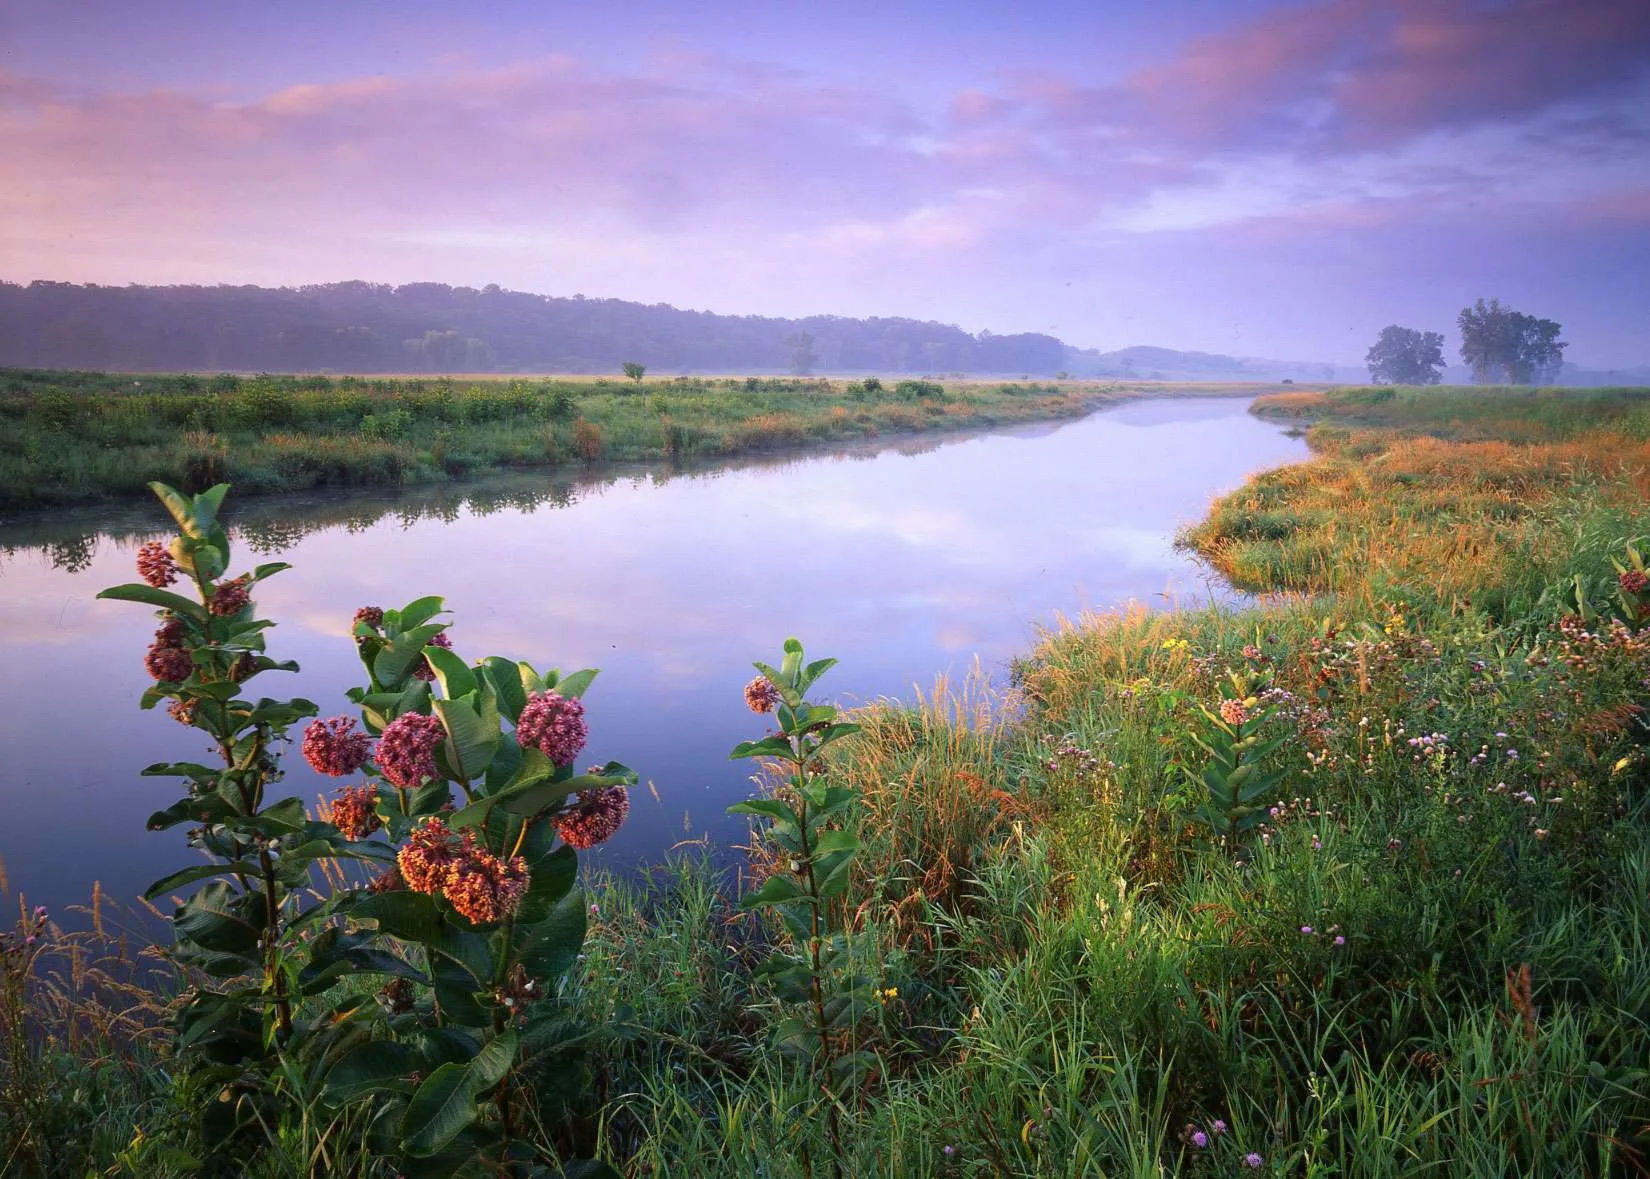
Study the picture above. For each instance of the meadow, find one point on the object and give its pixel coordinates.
(68, 438)
(1353, 882)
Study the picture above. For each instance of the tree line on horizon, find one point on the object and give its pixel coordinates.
(431, 327)
(1501, 347)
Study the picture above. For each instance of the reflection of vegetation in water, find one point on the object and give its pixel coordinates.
(69, 541)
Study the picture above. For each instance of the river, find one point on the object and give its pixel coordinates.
(903, 560)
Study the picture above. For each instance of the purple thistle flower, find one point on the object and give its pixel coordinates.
(1253, 1161)
(1199, 1139)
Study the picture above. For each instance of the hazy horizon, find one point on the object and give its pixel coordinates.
(1259, 178)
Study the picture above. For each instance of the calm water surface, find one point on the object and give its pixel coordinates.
(901, 564)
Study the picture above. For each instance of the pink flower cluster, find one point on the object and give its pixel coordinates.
(155, 565)
(595, 816)
(1635, 580)
(761, 695)
(406, 749)
(480, 885)
(166, 658)
(554, 725)
(231, 597)
(1233, 712)
(334, 748)
(355, 812)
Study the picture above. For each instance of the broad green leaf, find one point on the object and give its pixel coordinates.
(550, 878)
(494, 1060)
(401, 654)
(208, 808)
(410, 916)
(372, 1067)
(472, 731)
(443, 1105)
(774, 746)
(457, 677)
(552, 945)
(418, 612)
(776, 890)
(179, 505)
(199, 872)
(575, 685)
(269, 569)
(506, 678)
(219, 919)
(771, 807)
(149, 595)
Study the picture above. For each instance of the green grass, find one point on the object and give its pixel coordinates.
(1433, 960)
(69, 438)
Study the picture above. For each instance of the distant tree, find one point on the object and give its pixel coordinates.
(1404, 356)
(803, 357)
(635, 371)
(1503, 346)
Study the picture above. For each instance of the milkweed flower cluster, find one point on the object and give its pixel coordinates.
(155, 565)
(481, 886)
(554, 725)
(595, 816)
(166, 658)
(333, 748)
(406, 749)
(231, 597)
(1634, 580)
(761, 695)
(1233, 712)
(355, 812)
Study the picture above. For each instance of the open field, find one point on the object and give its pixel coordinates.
(1422, 949)
(68, 438)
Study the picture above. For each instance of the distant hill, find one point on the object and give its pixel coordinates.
(360, 327)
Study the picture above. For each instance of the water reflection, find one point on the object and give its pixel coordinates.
(902, 560)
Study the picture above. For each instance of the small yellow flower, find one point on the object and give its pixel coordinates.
(890, 993)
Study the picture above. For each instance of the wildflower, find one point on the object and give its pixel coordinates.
(333, 748)
(168, 664)
(373, 616)
(1233, 712)
(1340, 939)
(388, 880)
(406, 750)
(155, 565)
(485, 888)
(1199, 1139)
(1634, 580)
(1253, 1161)
(761, 695)
(595, 816)
(428, 857)
(1218, 1127)
(1306, 929)
(948, 1150)
(231, 597)
(355, 812)
(183, 711)
(554, 725)
(422, 669)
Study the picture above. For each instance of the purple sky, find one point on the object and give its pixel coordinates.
(1262, 178)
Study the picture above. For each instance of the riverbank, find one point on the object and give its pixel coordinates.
(1426, 949)
(75, 438)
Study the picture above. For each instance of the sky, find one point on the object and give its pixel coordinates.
(1277, 178)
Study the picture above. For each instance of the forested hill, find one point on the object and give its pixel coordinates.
(429, 327)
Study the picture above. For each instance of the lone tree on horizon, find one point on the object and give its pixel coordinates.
(635, 371)
(1507, 347)
(1404, 356)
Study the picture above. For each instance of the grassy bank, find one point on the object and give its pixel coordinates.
(79, 437)
(1425, 950)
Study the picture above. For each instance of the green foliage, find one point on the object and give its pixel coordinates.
(635, 371)
(1404, 356)
(810, 823)
(1238, 783)
(1506, 346)
(471, 927)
